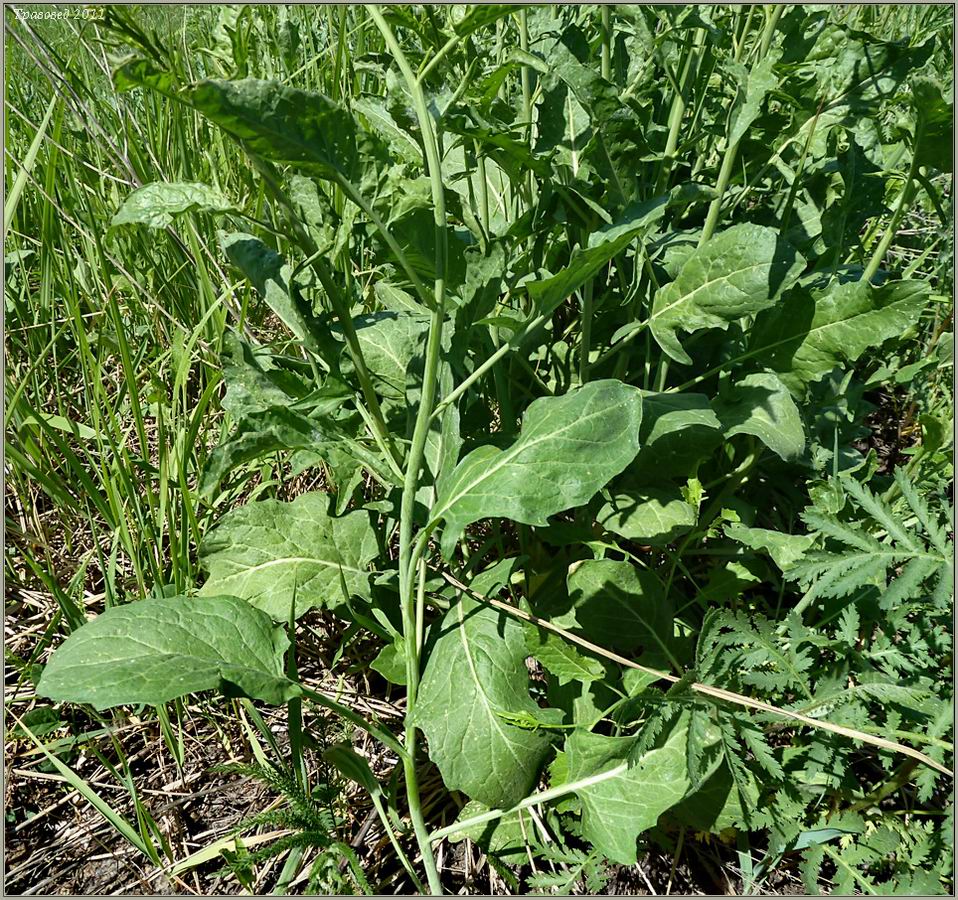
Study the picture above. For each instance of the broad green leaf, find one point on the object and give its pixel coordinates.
(261, 433)
(271, 276)
(937, 118)
(482, 287)
(848, 64)
(760, 405)
(738, 272)
(279, 429)
(617, 605)
(401, 142)
(568, 448)
(586, 262)
(508, 149)
(647, 515)
(283, 124)
(754, 84)
(330, 230)
(584, 702)
(785, 549)
(678, 431)
(229, 46)
(390, 341)
(560, 657)
(506, 837)
(140, 73)
(727, 582)
(612, 137)
(257, 379)
(479, 16)
(407, 207)
(476, 671)
(395, 299)
(811, 334)
(618, 802)
(153, 651)
(390, 662)
(269, 552)
(717, 804)
(157, 205)
(484, 91)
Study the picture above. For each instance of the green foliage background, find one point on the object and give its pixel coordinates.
(694, 382)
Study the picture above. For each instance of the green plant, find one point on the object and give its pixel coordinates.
(310, 824)
(571, 408)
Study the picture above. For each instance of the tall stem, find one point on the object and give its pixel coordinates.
(677, 111)
(408, 600)
(606, 43)
(526, 77)
(904, 201)
(525, 74)
(731, 152)
(585, 338)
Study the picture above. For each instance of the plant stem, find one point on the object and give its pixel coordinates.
(468, 382)
(786, 215)
(731, 152)
(606, 65)
(715, 207)
(585, 338)
(351, 191)
(678, 111)
(904, 202)
(408, 599)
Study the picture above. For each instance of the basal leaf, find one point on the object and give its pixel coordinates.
(647, 515)
(153, 651)
(812, 333)
(269, 552)
(678, 431)
(738, 272)
(276, 429)
(717, 804)
(619, 803)
(261, 433)
(617, 605)
(754, 84)
(282, 124)
(475, 673)
(760, 405)
(257, 379)
(157, 205)
(404, 146)
(272, 277)
(568, 448)
(390, 341)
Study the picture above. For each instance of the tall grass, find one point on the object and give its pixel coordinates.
(112, 339)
